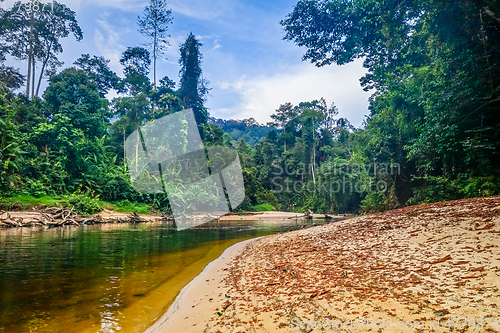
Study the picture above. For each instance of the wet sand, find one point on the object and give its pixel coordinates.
(200, 297)
(420, 265)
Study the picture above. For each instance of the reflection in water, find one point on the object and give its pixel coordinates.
(112, 300)
(106, 278)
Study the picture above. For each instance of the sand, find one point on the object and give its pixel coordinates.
(279, 216)
(423, 265)
(200, 299)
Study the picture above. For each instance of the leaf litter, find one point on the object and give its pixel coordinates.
(360, 268)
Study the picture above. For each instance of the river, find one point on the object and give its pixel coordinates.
(110, 277)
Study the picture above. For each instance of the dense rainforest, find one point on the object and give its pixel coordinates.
(432, 132)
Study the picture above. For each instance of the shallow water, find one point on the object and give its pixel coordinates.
(107, 278)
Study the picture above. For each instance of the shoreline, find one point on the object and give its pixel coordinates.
(64, 217)
(428, 263)
(179, 310)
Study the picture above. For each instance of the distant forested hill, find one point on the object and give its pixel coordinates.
(247, 129)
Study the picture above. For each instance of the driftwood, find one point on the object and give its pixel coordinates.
(135, 218)
(58, 216)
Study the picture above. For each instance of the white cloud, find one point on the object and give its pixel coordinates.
(201, 9)
(108, 43)
(261, 96)
(216, 45)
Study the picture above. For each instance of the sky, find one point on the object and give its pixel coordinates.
(251, 70)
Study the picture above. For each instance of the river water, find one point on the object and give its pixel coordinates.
(107, 278)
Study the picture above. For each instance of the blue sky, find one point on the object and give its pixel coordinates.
(250, 68)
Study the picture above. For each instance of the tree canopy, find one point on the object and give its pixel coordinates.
(193, 87)
(154, 25)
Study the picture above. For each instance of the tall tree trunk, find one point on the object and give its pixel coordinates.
(284, 138)
(33, 75)
(43, 68)
(154, 65)
(137, 151)
(30, 52)
(486, 57)
(154, 70)
(314, 154)
(124, 152)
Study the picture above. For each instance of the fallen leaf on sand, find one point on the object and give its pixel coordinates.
(319, 293)
(462, 262)
(477, 269)
(470, 277)
(448, 257)
(377, 267)
(423, 269)
(488, 226)
(226, 305)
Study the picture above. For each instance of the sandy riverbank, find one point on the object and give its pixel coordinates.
(34, 217)
(200, 297)
(280, 216)
(423, 263)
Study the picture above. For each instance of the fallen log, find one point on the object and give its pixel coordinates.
(57, 216)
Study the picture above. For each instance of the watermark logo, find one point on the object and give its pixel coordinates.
(168, 156)
(332, 178)
(27, 5)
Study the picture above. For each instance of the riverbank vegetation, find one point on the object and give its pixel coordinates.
(432, 132)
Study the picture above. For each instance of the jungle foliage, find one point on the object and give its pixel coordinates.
(432, 133)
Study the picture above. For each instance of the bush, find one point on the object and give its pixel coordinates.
(375, 202)
(83, 203)
(262, 208)
(36, 188)
(116, 188)
(444, 189)
(126, 206)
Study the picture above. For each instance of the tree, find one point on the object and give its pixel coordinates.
(10, 77)
(166, 99)
(98, 71)
(136, 62)
(4, 49)
(154, 25)
(282, 117)
(70, 136)
(35, 35)
(430, 108)
(310, 120)
(341, 31)
(10, 143)
(193, 88)
(71, 94)
(330, 114)
(131, 112)
(135, 110)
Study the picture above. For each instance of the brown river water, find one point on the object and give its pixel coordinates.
(108, 278)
